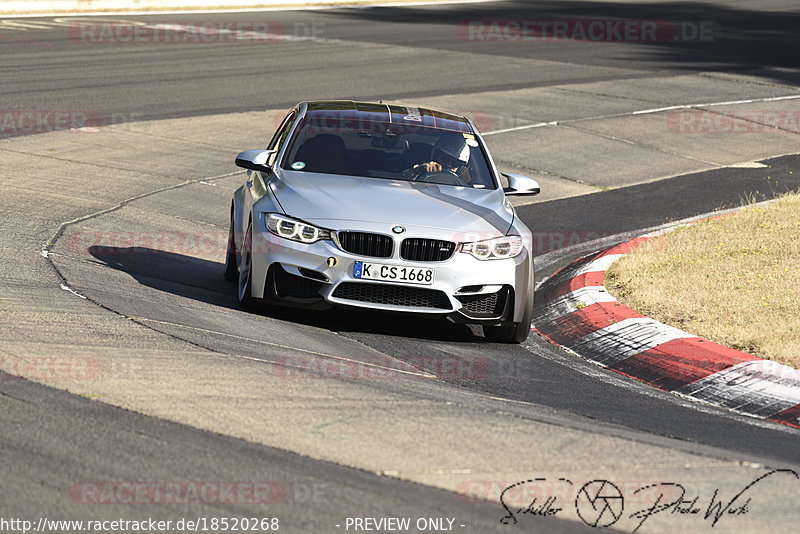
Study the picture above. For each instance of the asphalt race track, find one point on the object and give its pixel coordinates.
(353, 414)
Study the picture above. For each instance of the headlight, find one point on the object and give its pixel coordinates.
(289, 228)
(494, 249)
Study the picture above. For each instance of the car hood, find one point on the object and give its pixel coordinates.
(323, 198)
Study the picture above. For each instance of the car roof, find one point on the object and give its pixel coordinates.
(380, 112)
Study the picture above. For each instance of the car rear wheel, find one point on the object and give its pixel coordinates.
(512, 332)
(246, 299)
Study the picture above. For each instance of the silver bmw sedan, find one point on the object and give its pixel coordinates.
(385, 207)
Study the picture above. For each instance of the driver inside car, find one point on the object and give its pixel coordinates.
(448, 155)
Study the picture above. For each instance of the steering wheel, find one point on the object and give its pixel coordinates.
(441, 177)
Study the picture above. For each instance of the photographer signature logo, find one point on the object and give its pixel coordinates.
(599, 503)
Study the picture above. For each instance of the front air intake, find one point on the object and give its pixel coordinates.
(417, 249)
(366, 244)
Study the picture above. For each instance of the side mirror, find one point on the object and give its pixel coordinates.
(255, 160)
(520, 185)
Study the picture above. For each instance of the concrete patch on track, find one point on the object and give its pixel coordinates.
(581, 315)
(159, 332)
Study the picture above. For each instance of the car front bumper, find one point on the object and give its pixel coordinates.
(320, 275)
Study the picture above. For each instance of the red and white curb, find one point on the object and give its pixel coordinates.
(582, 316)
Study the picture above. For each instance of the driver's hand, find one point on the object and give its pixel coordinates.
(430, 166)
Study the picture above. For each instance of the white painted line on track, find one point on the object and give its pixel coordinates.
(65, 287)
(747, 165)
(524, 127)
(713, 104)
(644, 112)
(309, 7)
(22, 26)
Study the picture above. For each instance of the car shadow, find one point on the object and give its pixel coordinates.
(201, 280)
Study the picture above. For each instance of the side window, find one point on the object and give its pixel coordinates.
(280, 135)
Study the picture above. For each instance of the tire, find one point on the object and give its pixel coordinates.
(512, 332)
(245, 272)
(231, 270)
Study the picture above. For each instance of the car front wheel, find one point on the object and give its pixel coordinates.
(231, 271)
(512, 332)
(246, 299)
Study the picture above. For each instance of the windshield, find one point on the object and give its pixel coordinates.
(393, 151)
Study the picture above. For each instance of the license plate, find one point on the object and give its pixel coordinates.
(393, 273)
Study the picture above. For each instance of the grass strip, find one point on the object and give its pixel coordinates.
(733, 280)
